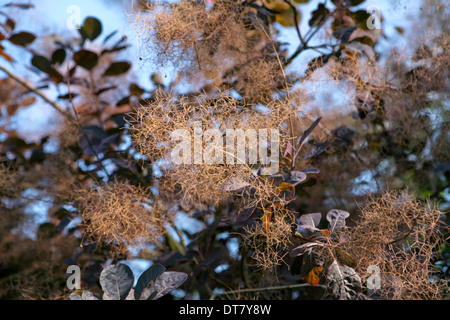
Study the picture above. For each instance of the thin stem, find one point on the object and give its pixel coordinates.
(27, 85)
(291, 286)
(309, 35)
(296, 22)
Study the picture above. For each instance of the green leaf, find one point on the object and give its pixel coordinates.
(344, 282)
(174, 245)
(117, 68)
(346, 257)
(287, 17)
(117, 281)
(58, 56)
(91, 28)
(22, 38)
(41, 63)
(109, 36)
(164, 284)
(86, 59)
(361, 17)
(147, 277)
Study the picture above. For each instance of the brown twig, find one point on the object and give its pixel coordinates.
(239, 291)
(27, 85)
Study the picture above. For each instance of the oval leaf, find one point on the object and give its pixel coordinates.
(86, 59)
(336, 218)
(117, 68)
(286, 191)
(58, 56)
(164, 284)
(41, 63)
(311, 219)
(148, 276)
(11, 24)
(344, 282)
(117, 281)
(245, 213)
(91, 28)
(297, 177)
(22, 38)
(361, 17)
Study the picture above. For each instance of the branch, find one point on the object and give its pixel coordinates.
(291, 286)
(27, 85)
(304, 45)
(296, 22)
(58, 108)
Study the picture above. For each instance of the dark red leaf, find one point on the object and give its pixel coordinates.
(117, 68)
(22, 38)
(20, 5)
(86, 59)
